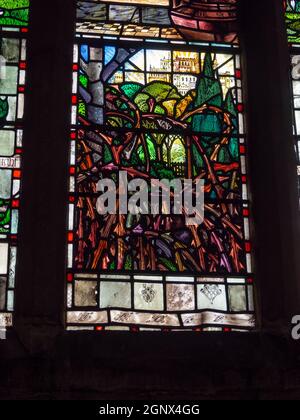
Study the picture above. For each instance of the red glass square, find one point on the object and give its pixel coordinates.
(17, 174)
(246, 212)
(99, 328)
(248, 246)
(15, 204)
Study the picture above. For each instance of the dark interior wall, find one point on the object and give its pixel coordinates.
(39, 360)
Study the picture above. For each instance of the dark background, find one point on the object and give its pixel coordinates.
(39, 360)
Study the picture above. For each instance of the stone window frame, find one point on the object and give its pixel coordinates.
(39, 320)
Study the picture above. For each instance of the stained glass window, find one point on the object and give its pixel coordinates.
(13, 29)
(157, 94)
(293, 29)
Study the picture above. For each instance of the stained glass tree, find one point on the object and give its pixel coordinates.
(157, 95)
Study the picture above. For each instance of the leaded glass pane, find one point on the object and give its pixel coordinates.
(13, 29)
(293, 30)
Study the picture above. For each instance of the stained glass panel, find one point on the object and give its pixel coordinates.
(157, 94)
(13, 25)
(293, 30)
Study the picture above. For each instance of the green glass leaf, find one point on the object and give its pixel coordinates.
(168, 264)
(142, 102)
(14, 12)
(5, 216)
(82, 109)
(161, 91)
(83, 80)
(131, 89)
(4, 108)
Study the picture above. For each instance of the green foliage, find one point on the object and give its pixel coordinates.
(151, 150)
(230, 104)
(112, 265)
(120, 104)
(130, 89)
(230, 107)
(178, 153)
(234, 148)
(141, 154)
(197, 157)
(14, 4)
(159, 138)
(159, 110)
(151, 147)
(134, 160)
(4, 108)
(14, 12)
(174, 151)
(83, 80)
(107, 156)
(168, 264)
(148, 125)
(153, 98)
(119, 122)
(207, 122)
(128, 263)
(5, 215)
(159, 171)
(224, 156)
(293, 23)
(209, 91)
(161, 91)
(82, 109)
(163, 100)
(142, 102)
